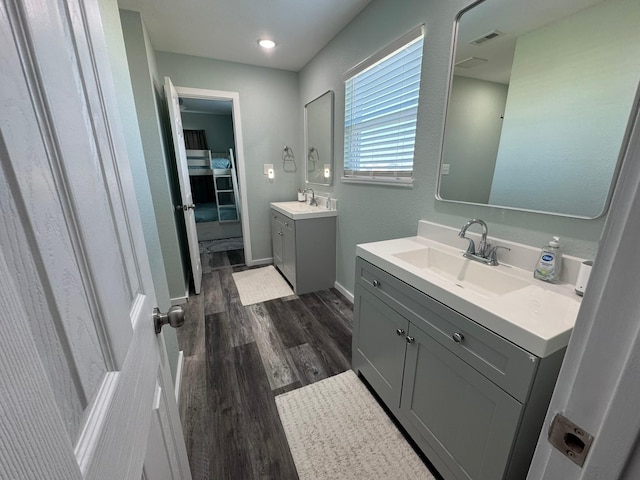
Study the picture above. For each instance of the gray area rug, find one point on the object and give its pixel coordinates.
(337, 430)
(222, 245)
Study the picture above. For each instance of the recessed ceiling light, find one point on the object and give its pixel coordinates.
(264, 43)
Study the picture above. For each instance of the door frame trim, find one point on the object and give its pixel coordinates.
(206, 94)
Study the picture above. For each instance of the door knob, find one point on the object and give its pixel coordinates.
(173, 317)
(186, 207)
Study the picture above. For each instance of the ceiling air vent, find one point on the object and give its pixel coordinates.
(470, 62)
(492, 35)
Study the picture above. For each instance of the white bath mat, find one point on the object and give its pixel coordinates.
(261, 284)
(337, 430)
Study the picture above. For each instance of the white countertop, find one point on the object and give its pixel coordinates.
(538, 317)
(301, 210)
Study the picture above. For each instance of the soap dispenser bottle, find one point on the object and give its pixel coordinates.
(549, 264)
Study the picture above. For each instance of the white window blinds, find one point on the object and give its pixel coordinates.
(381, 106)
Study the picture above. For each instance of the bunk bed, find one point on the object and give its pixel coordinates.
(214, 185)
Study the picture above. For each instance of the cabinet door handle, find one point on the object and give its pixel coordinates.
(457, 337)
(375, 283)
(286, 224)
(410, 339)
(279, 233)
(399, 332)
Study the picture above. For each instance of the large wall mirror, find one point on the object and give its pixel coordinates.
(318, 139)
(539, 104)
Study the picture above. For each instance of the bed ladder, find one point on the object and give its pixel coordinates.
(227, 198)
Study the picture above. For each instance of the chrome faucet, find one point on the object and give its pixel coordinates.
(312, 202)
(485, 253)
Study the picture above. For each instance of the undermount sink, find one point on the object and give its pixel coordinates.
(302, 210)
(487, 281)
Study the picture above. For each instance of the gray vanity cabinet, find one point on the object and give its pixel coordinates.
(471, 400)
(304, 251)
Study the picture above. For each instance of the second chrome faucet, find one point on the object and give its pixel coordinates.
(485, 253)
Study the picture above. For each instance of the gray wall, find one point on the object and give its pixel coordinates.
(472, 137)
(161, 171)
(368, 213)
(149, 161)
(271, 118)
(218, 129)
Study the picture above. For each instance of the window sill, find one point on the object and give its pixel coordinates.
(402, 182)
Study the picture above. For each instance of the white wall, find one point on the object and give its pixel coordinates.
(582, 85)
(271, 119)
(369, 213)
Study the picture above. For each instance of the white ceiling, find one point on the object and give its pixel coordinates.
(229, 29)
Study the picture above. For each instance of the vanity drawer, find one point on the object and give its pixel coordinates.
(501, 361)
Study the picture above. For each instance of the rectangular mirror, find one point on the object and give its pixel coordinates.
(539, 104)
(318, 139)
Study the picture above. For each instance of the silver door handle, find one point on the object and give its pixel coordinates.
(375, 283)
(186, 207)
(173, 317)
(457, 337)
(410, 339)
(399, 332)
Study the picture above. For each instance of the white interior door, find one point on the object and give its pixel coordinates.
(83, 384)
(183, 177)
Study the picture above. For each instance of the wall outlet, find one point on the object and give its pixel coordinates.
(267, 167)
(445, 169)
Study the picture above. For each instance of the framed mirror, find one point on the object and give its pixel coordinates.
(318, 139)
(539, 102)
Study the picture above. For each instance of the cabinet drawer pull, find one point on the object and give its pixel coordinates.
(399, 332)
(410, 339)
(286, 224)
(457, 337)
(279, 233)
(375, 283)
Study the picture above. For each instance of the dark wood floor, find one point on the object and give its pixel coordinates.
(237, 359)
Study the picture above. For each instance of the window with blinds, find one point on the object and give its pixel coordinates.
(381, 107)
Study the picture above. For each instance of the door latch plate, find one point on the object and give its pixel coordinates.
(572, 441)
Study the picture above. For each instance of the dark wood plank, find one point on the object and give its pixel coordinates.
(288, 322)
(310, 368)
(212, 293)
(240, 327)
(286, 388)
(191, 334)
(339, 305)
(214, 260)
(228, 448)
(194, 412)
(269, 450)
(278, 365)
(235, 257)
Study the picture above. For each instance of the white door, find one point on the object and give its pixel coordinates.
(183, 177)
(83, 384)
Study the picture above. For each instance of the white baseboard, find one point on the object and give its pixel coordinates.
(179, 375)
(180, 300)
(344, 291)
(260, 261)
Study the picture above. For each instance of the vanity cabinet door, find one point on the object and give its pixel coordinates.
(468, 421)
(379, 345)
(276, 239)
(289, 251)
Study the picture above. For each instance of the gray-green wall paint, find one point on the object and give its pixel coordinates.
(147, 90)
(218, 129)
(271, 118)
(472, 136)
(368, 213)
(560, 155)
(129, 121)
